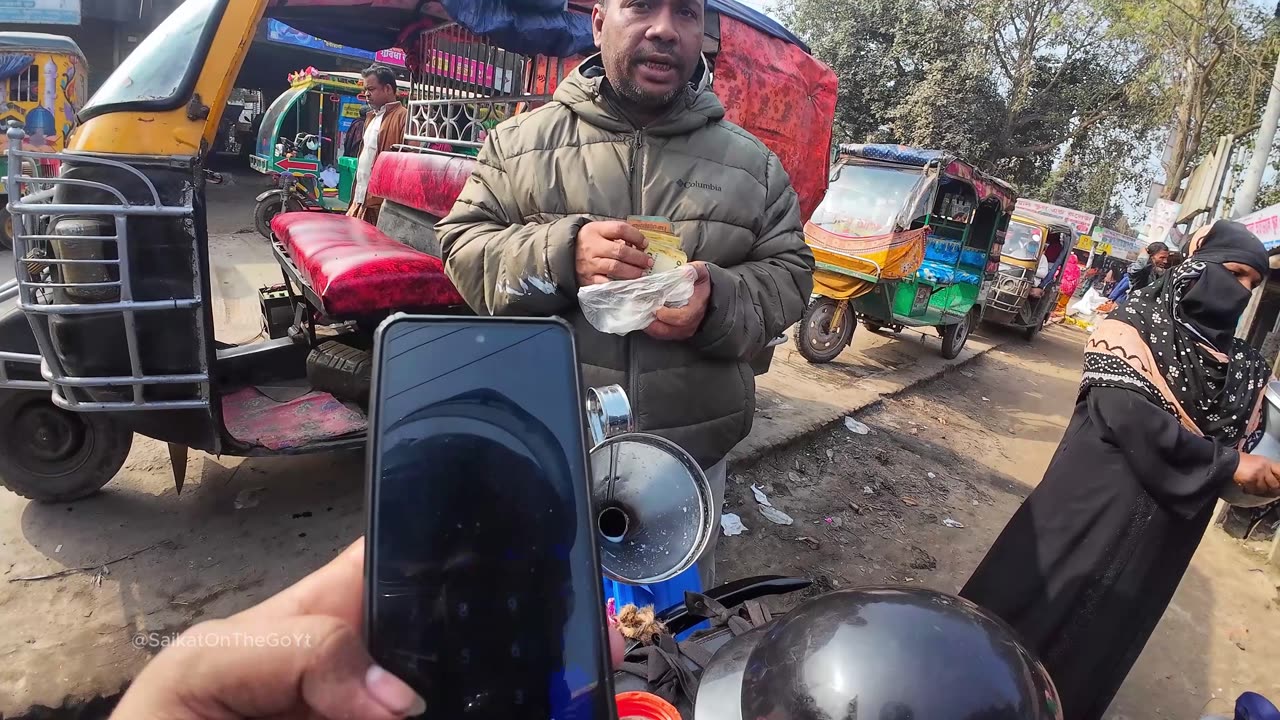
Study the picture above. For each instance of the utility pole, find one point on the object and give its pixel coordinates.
(1261, 150)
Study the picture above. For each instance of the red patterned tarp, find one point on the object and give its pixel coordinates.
(784, 96)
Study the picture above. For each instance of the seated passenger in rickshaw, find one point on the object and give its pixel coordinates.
(1045, 270)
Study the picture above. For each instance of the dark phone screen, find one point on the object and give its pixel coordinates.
(484, 589)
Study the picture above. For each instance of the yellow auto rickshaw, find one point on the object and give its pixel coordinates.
(905, 237)
(1032, 261)
(42, 85)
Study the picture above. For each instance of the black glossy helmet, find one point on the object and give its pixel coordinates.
(879, 654)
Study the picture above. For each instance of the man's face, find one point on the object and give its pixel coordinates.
(377, 93)
(1160, 259)
(650, 47)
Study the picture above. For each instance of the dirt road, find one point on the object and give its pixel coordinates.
(967, 448)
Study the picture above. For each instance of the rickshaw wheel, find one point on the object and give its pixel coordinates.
(265, 210)
(6, 227)
(872, 325)
(48, 454)
(1030, 333)
(816, 340)
(954, 336)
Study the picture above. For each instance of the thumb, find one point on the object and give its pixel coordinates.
(703, 274)
(236, 669)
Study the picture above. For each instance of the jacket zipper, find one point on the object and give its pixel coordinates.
(637, 208)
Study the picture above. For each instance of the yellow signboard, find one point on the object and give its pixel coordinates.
(1085, 242)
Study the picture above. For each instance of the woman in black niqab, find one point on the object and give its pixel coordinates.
(1169, 403)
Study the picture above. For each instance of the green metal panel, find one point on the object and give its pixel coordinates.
(911, 297)
(272, 120)
(876, 303)
(346, 178)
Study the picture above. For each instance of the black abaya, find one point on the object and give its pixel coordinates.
(1088, 564)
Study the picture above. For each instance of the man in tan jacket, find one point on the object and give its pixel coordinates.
(636, 130)
(383, 127)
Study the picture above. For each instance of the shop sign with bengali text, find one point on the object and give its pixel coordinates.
(1121, 245)
(1265, 223)
(1081, 221)
(391, 56)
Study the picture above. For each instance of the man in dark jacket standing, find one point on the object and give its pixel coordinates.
(353, 141)
(636, 130)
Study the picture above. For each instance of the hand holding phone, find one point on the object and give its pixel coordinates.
(483, 586)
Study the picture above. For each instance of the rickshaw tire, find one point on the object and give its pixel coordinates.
(341, 370)
(6, 242)
(265, 210)
(872, 325)
(1030, 333)
(803, 341)
(109, 445)
(955, 336)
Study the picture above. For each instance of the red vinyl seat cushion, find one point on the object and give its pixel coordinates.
(429, 182)
(356, 269)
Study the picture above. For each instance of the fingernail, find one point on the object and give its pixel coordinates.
(392, 693)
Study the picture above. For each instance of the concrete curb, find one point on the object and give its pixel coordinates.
(739, 460)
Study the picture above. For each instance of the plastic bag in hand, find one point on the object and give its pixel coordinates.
(623, 306)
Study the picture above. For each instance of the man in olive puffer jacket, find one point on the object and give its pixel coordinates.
(636, 130)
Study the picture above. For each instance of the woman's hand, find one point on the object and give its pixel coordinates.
(1258, 475)
(296, 655)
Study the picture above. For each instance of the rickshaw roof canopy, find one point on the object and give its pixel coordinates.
(38, 42)
(900, 154)
(321, 77)
(528, 27)
(986, 186)
(1052, 223)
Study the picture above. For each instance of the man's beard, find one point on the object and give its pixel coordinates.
(631, 92)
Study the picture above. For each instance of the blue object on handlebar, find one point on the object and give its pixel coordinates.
(660, 595)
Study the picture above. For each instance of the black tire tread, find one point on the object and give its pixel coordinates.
(951, 344)
(112, 443)
(341, 370)
(808, 353)
(261, 217)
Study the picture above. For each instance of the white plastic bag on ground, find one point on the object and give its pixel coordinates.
(1088, 304)
(624, 306)
(731, 524)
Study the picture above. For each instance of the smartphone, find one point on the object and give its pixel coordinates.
(482, 578)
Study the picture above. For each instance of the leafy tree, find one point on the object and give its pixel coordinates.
(1064, 98)
(1211, 61)
(879, 50)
